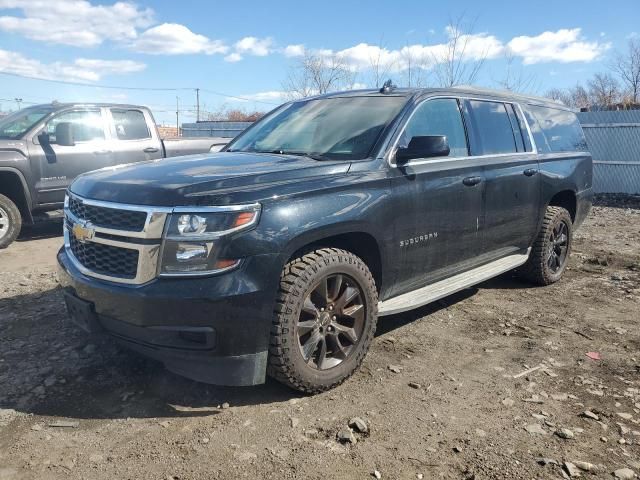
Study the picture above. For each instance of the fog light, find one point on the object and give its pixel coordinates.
(188, 252)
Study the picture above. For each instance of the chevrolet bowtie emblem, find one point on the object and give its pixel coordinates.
(83, 231)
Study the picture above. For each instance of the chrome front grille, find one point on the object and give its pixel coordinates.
(115, 242)
(130, 220)
(106, 259)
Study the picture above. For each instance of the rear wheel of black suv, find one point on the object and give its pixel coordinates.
(10, 221)
(324, 320)
(550, 250)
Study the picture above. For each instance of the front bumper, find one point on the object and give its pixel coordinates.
(214, 329)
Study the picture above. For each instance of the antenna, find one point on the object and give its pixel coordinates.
(388, 87)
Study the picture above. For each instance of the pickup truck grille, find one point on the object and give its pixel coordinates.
(129, 220)
(111, 241)
(106, 259)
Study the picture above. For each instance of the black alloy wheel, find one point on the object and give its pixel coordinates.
(331, 321)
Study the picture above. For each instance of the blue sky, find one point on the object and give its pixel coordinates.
(246, 48)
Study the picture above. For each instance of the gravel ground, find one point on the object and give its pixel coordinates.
(494, 382)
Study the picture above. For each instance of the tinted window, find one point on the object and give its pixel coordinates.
(440, 116)
(86, 125)
(515, 125)
(536, 131)
(337, 128)
(493, 128)
(561, 129)
(130, 124)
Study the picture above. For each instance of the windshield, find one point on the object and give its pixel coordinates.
(17, 124)
(336, 128)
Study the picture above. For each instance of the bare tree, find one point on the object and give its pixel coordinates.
(514, 77)
(318, 73)
(579, 97)
(452, 66)
(604, 90)
(561, 95)
(415, 67)
(627, 66)
(379, 66)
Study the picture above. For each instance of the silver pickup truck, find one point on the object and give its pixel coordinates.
(45, 147)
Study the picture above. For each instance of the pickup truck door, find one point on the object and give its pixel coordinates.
(135, 136)
(59, 165)
(438, 201)
(512, 191)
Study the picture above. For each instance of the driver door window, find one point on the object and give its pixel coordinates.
(86, 125)
(440, 116)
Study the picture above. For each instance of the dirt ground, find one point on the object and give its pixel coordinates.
(459, 405)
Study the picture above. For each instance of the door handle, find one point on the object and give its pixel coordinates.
(150, 150)
(529, 172)
(471, 181)
(102, 152)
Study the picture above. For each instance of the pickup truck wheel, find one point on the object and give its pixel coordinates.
(551, 248)
(324, 320)
(10, 221)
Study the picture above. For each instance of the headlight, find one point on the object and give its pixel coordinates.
(194, 237)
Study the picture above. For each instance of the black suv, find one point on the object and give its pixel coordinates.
(279, 254)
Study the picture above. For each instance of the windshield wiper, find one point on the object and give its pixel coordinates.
(312, 155)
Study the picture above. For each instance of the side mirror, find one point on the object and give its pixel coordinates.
(43, 138)
(424, 147)
(64, 134)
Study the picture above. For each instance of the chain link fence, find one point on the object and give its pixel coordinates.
(614, 141)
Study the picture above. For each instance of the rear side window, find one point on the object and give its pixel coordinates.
(536, 131)
(492, 128)
(130, 124)
(561, 129)
(440, 116)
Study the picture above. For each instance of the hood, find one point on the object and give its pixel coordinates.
(213, 179)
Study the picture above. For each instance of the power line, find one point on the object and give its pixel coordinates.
(116, 87)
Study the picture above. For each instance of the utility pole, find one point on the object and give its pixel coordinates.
(18, 101)
(197, 104)
(177, 117)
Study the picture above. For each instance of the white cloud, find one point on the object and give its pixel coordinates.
(233, 57)
(176, 39)
(260, 47)
(363, 56)
(293, 50)
(565, 46)
(562, 46)
(75, 22)
(82, 69)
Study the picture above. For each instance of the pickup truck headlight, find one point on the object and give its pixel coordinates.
(193, 238)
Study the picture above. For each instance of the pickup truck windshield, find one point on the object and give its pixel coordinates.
(335, 128)
(17, 124)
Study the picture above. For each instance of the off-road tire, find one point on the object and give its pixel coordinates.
(286, 363)
(537, 270)
(14, 221)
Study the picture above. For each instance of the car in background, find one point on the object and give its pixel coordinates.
(43, 148)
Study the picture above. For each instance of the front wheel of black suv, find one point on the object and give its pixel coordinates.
(551, 249)
(324, 320)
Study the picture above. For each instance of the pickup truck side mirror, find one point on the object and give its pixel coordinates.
(423, 147)
(64, 134)
(43, 138)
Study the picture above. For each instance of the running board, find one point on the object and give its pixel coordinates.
(448, 286)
